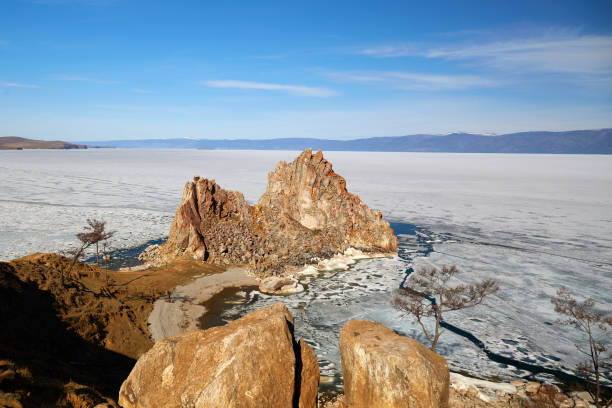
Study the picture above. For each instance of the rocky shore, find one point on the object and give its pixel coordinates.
(256, 361)
(51, 355)
(180, 311)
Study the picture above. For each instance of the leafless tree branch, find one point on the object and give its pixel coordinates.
(596, 325)
(432, 283)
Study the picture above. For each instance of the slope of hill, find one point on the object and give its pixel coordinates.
(18, 143)
(570, 142)
(71, 343)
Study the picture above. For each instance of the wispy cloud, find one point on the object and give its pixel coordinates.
(391, 51)
(586, 54)
(290, 89)
(141, 91)
(16, 85)
(556, 51)
(416, 81)
(78, 78)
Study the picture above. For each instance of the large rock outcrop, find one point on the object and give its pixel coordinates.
(385, 370)
(251, 362)
(305, 214)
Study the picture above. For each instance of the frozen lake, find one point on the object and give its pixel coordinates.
(533, 222)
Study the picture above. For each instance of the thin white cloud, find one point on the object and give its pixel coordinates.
(391, 51)
(291, 89)
(585, 54)
(16, 85)
(416, 81)
(557, 51)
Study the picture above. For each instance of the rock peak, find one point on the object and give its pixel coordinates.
(305, 213)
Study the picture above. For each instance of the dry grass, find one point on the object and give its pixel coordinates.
(108, 308)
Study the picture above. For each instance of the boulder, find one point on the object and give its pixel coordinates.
(280, 285)
(383, 369)
(251, 362)
(306, 214)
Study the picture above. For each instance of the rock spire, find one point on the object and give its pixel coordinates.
(305, 214)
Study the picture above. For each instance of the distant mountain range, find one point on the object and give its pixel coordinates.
(571, 142)
(20, 143)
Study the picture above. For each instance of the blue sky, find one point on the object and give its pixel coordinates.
(127, 69)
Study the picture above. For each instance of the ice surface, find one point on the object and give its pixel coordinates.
(534, 222)
(46, 195)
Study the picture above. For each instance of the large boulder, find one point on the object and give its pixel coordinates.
(251, 362)
(306, 214)
(383, 369)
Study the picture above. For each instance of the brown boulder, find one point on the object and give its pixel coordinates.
(306, 214)
(251, 362)
(382, 369)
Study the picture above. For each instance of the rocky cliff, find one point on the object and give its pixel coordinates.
(306, 214)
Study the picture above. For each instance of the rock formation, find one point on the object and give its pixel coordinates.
(385, 370)
(251, 362)
(306, 214)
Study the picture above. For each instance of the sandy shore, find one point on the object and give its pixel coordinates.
(168, 319)
(183, 313)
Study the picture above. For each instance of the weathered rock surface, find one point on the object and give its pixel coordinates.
(309, 376)
(251, 362)
(212, 224)
(306, 214)
(383, 369)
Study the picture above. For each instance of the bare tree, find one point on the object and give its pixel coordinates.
(429, 295)
(596, 325)
(93, 233)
